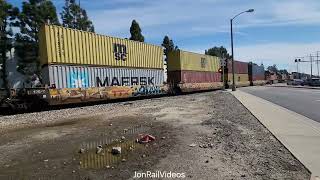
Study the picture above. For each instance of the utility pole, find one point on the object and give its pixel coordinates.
(311, 64)
(232, 55)
(311, 61)
(318, 63)
(297, 60)
(298, 68)
(223, 62)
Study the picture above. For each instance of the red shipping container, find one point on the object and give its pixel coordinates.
(240, 67)
(193, 77)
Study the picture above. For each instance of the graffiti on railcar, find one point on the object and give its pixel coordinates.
(188, 87)
(73, 95)
(119, 92)
(65, 94)
(147, 90)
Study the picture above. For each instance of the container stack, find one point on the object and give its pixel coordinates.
(83, 66)
(192, 71)
(241, 74)
(256, 74)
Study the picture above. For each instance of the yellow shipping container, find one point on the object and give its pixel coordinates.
(182, 60)
(241, 80)
(238, 77)
(59, 45)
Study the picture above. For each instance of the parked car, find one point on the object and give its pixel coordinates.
(295, 82)
(311, 82)
(315, 82)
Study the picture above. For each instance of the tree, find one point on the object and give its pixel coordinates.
(34, 14)
(73, 16)
(283, 71)
(135, 32)
(8, 15)
(218, 51)
(168, 46)
(273, 68)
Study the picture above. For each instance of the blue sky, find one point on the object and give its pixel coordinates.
(276, 33)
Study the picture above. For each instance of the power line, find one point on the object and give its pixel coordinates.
(311, 60)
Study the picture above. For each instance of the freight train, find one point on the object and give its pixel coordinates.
(79, 66)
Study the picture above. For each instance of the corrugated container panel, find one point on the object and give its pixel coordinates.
(68, 46)
(101, 49)
(238, 77)
(76, 46)
(65, 38)
(240, 67)
(258, 70)
(42, 41)
(193, 77)
(82, 46)
(182, 60)
(62, 44)
(57, 54)
(85, 47)
(71, 48)
(65, 76)
(96, 49)
(50, 48)
(93, 48)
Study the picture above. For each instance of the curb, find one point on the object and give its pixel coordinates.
(312, 177)
(297, 87)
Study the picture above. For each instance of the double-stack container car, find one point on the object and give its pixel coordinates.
(79, 66)
(241, 74)
(189, 71)
(256, 74)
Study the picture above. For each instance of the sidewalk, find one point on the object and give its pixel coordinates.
(299, 134)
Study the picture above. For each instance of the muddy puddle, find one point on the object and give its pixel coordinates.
(105, 159)
(98, 154)
(68, 149)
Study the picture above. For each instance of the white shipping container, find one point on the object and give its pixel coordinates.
(66, 76)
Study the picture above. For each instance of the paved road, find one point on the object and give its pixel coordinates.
(302, 101)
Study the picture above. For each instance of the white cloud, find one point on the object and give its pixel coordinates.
(183, 19)
(205, 15)
(282, 54)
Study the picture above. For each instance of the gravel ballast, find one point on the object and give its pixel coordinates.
(204, 136)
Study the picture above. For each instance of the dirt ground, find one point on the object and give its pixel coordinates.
(203, 136)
